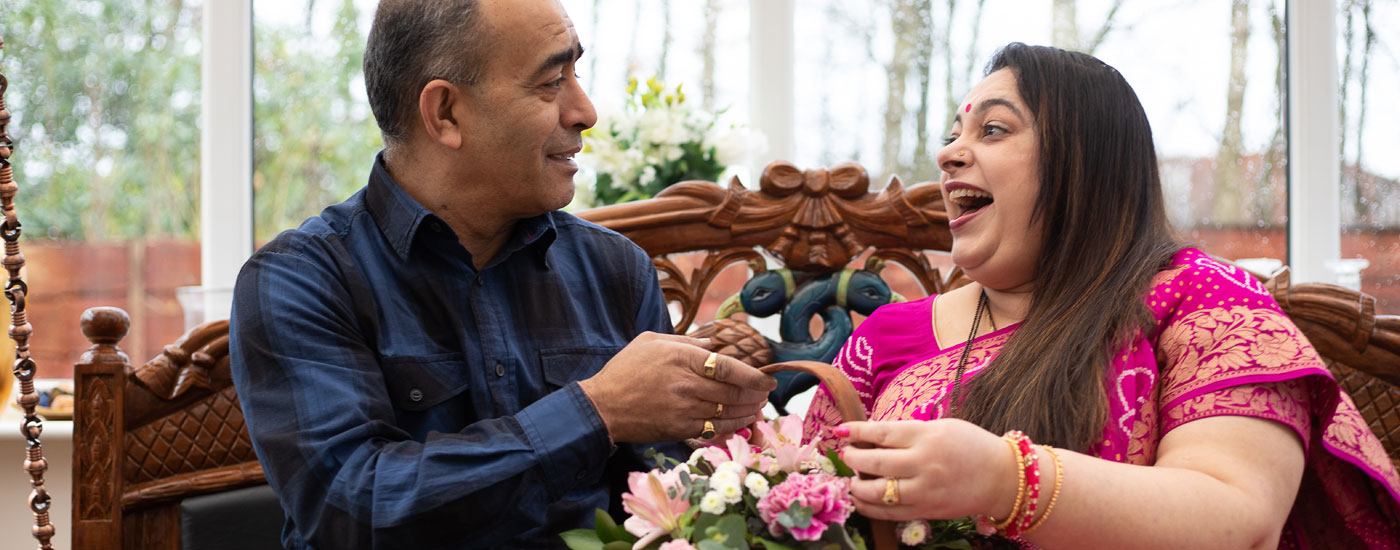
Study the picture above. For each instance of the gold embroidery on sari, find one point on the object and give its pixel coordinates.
(925, 382)
(1211, 345)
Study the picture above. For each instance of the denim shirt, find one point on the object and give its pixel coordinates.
(398, 397)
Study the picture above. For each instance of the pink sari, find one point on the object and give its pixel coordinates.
(1221, 346)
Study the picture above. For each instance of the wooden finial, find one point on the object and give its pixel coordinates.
(105, 325)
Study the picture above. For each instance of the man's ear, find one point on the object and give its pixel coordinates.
(435, 105)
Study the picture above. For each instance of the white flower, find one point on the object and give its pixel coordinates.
(913, 533)
(712, 503)
(672, 153)
(724, 478)
(732, 466)
(648, 176)
(695, 457)
(757, 484)
(657, 126)
(732, 493)
(737, 146)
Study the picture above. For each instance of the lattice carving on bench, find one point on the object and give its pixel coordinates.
(1378, 402)
(207, 434)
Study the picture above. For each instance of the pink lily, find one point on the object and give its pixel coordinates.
(656, 501)
(740, 451)
(785, 439)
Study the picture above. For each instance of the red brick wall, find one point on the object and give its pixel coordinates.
(140, 277)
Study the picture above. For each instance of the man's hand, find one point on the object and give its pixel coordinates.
(654, 390)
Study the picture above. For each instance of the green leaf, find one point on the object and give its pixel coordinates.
(842, 469)
(618, 545)
(607, 529)
(732, 528)
(582, 539)
(796, 516)
(772, 545)
(703, 522)
(708, 544)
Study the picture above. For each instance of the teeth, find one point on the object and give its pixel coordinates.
(958, 194)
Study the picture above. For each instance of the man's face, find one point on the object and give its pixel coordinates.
(523, 119)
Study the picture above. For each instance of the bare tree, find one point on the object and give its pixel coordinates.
(1064, 26)
(1227, 159)
(1363, 206)
(665, 39)
(707, 54)
(593, 59)
(923, 64)
(1265, 196)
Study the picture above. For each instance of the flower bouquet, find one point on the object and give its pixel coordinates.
(779, 495)
(659, 140)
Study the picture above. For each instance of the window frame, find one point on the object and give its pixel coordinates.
(226, 200)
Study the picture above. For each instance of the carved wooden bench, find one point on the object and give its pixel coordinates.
(151, 436)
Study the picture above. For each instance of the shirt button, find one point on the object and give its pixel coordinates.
(500, 369)
(437, 227)
(480, 280)
(415, 394)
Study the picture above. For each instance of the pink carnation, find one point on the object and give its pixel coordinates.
(829, 497)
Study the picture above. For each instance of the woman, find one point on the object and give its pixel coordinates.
(1177, 405)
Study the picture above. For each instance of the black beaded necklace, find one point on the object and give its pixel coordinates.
(982, 305)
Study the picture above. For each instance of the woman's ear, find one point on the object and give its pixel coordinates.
(435, 111)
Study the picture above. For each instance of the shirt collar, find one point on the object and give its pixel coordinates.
(396, 213)
(400, 217)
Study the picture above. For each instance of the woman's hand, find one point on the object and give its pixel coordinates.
(945, 468)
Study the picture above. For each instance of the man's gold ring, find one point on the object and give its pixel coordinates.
(709, 431)
(891, 491)
(719, 410)
(709, 371)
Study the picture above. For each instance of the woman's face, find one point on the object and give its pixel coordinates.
(991, 178)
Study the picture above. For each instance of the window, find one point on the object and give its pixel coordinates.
(314, 136)
(881, 87)
(1369, 63)
(106, 126)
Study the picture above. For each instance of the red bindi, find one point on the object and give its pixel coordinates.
(968, 109)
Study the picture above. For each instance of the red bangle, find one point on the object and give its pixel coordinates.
(1031, 465)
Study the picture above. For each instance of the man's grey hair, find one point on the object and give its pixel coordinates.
(411, 43)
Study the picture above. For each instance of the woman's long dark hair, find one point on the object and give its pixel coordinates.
(1106, 235)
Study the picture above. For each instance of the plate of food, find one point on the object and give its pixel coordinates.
(54, 404)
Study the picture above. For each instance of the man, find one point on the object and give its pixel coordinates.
(439, 361)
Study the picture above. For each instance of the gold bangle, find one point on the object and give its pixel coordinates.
(1001, 525)
(1059, 479)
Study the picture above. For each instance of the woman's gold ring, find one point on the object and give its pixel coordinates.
(891, 491)
(709, 431)
(709, 371)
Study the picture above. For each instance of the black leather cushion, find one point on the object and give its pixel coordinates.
(243, 519)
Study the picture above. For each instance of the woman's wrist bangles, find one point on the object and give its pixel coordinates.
(1022, 518)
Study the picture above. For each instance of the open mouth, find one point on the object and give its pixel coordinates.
(969, 200)
(563, 157)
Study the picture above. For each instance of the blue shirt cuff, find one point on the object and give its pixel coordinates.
(566, 431)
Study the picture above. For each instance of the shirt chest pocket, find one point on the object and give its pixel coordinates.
(564, 365)
(418, 383)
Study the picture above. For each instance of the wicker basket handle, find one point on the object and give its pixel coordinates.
(851, 409)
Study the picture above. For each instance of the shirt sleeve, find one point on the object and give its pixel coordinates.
(653, 316)
(322, 423)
